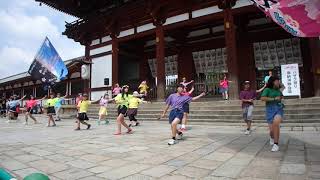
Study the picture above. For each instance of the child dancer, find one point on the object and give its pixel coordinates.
(186, 110)
(31, 105)
(176, 101)
(58, 105)
(133, 108)
(123, 102)
(143, 89)
(116, 90)
(103, 109)
(83, 106)
(51, 102)
(14, 107)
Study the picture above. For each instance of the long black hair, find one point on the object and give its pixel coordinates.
(271, 80)
(124, 93)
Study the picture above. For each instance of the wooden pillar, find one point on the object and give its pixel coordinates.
(232, 62)
(115, 60)
(143, 68)
(314, 44)
(185, 63)
(307, 69)
(160, 53)
(86, 82)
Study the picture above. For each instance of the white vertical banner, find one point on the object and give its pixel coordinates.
(290, 79)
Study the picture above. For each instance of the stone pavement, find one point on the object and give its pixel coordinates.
(207, 152)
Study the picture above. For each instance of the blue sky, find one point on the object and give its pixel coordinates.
(23, 26)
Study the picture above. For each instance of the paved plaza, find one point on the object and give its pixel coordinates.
(207, 152)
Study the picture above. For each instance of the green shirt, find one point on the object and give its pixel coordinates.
(51, 102)
(123, 101)
(271, 93)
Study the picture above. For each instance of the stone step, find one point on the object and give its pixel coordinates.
(216, 120)
(218, 112)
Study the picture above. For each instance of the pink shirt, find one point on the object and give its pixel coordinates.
(116, 90)
(224, 83)
(31, 103)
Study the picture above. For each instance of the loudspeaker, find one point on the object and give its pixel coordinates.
(106, 81)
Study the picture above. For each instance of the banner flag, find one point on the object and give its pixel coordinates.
(47, 65)
(301, 18)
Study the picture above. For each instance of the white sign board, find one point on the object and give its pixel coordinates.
(290, 79)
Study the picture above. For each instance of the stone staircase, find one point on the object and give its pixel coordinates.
(298, 112)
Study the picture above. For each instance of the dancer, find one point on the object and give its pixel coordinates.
(123, 102)
(58, 105)
(31, 104)
(274, 110)
(247, 96)
(185, 110)
(13, 105)
(266, 78)
(103, 108)
(176, 101)
(116, 90)
(185, 83)
(133, 108)
(143, 89)
(83, 107)
(224, 87)
(50, 104)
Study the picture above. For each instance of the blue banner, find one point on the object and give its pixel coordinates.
(47, 65)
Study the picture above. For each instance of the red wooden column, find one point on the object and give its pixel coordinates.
(185, 63)
(115, 58)
(87, 82)
(314, 45)
(231, 45)
(161, 78)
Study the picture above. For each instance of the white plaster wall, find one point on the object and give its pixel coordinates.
(145, 27)
(126, 32)
(100, 50)
(95, 95)
(95, 42)
(178, 18)
(242, 3)
(105, 39)
(205, 11)
(101, 68)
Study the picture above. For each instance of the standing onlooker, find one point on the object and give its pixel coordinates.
(143, 89)
(266, 78)
(247, 96)
(224, 87)
(274, 110)
(116, 90)
(58, 105)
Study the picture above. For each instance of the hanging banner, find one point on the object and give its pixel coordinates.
(299, 17)
(290, 79)
(47, 65)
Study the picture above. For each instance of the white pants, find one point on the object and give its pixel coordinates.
(57, 112)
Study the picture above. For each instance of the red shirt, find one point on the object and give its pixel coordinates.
(31, 103)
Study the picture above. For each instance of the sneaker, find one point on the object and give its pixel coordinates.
(54, 125)
(271, 141)
(179, 136)
(247, 132)
(8, 121)
(275, 148)
(129, 131)
(25, 123)
(106, 122)
(77, 129)
(117, 133)
(130, 125)
(89, 125)
(137, 124)
(171, 142)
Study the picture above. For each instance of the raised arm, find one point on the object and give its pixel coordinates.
(23, 97)
(260, 90)
(191, 90)
(198, 97)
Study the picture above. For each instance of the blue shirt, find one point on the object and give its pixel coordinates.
(13, 103)
(59, 102)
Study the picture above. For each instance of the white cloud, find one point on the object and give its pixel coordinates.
(23, 32)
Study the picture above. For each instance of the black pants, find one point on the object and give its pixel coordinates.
(132, 118)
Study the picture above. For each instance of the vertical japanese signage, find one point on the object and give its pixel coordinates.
(290, 79)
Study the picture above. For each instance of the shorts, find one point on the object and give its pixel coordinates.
(30, 110)
(175, 113)
(103, 111)
(186, 108)
(83, 117)
(132, 111)
(122, 110)
(247, 113)
(223, 90)
(51, 110)
(13, 109)
(272, 111)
